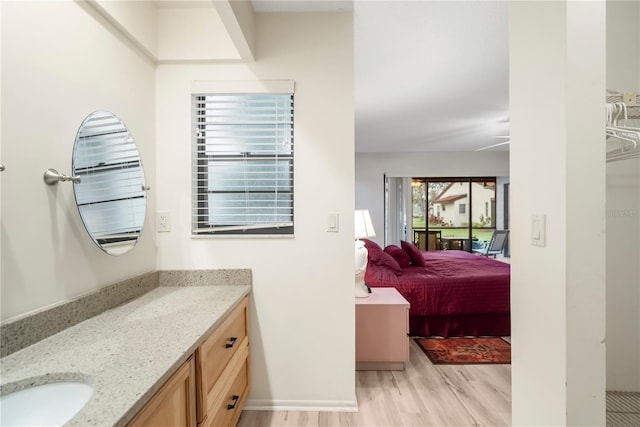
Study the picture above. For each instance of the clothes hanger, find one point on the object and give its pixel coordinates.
(614, 111)
(627, 136)
(613, 129)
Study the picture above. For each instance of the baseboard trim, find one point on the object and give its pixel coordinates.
(302, 405)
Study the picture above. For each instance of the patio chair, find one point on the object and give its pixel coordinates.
(495, 246)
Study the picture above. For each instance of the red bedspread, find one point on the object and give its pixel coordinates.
(452, 283)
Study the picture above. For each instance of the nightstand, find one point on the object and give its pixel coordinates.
(382, 329)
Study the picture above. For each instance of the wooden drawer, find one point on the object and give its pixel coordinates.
(174, 405)
(226, 410)
(213, 356)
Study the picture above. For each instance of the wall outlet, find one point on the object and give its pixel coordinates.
(163, 222)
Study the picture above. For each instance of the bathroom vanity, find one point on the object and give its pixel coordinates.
(213, 383)
(176, 355)
(167, 348)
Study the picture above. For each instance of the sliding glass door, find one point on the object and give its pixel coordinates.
(453, 213)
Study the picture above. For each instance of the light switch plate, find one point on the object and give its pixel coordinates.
(538, 230)
(333, 222)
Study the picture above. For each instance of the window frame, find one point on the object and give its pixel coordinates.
(468, 209)
(203, 162)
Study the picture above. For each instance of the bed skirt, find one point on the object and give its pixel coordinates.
(458, 325)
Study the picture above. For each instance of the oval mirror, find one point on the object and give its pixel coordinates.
(111, 195)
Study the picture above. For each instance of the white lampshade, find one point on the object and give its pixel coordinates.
(362, 224)
(363, 228)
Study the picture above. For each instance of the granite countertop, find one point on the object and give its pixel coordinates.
(125, 353)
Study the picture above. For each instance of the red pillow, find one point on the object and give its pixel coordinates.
(414, 254)
(399, 255)
(370, 244)
(383, 259)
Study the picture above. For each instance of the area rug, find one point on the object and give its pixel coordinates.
(459, 351)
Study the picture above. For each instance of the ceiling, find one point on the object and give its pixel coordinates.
(302, 5)
(429, 75)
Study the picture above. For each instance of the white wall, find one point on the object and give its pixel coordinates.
(558, 169)
(302, 307)
(372, 167)
(135, 18)
(60, 63)
(174, 32)
(1, 143)
(189, 34)
(623, 210)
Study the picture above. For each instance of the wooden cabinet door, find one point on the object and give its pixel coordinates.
(174, 405)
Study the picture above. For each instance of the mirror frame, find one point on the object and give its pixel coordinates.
(111, 195)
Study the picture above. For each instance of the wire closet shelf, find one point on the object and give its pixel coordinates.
(622, 138)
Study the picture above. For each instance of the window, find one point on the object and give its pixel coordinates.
(462, 209)
(242, 164)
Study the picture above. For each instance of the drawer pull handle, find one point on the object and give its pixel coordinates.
(232, 343)
(235, 398)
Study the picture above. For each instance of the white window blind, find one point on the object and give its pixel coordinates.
(242, 163)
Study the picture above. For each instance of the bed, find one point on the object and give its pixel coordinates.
(454, 293)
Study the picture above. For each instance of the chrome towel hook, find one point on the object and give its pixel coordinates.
(52, 177)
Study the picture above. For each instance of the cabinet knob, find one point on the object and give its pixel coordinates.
(232, 343)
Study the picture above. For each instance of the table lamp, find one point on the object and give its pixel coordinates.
(363, 228)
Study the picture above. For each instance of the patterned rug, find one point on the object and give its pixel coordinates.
(458, 351)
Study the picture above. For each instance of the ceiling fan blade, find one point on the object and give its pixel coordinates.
(492, 146)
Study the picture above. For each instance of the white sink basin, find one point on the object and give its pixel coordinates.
(51, 404)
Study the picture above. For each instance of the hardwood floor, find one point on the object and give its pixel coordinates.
(422, 395)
